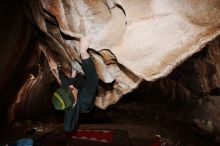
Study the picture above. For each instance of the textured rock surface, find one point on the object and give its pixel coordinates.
(148, 39)
(25, 78)
(134, 41)
(192, 89)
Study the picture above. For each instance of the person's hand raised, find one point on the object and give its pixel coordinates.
(85, 41)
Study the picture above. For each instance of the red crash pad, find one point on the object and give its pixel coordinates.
(88, 138)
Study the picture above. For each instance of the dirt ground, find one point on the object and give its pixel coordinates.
(142, 122)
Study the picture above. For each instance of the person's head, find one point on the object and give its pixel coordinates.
(63, 98)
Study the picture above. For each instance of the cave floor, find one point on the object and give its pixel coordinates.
(140, 133)
(142, 128)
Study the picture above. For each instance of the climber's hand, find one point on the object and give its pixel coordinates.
(84, 45)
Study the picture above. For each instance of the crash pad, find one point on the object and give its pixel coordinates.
(91, 137)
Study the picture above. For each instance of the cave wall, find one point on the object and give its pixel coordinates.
(133, 40)
(25, 77)
(196, 77)
(16, 34)
(22, 66)
(191, 91)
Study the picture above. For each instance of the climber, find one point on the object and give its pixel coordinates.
(77, 92)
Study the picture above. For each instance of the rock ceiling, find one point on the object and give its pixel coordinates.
(134, 40)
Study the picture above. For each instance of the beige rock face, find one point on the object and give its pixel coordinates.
(166, 34)
(135, 40)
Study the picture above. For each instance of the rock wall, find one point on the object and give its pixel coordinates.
(195, 78)
(24, 73)
(131, 45)
(133, 40)
(192, 90)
